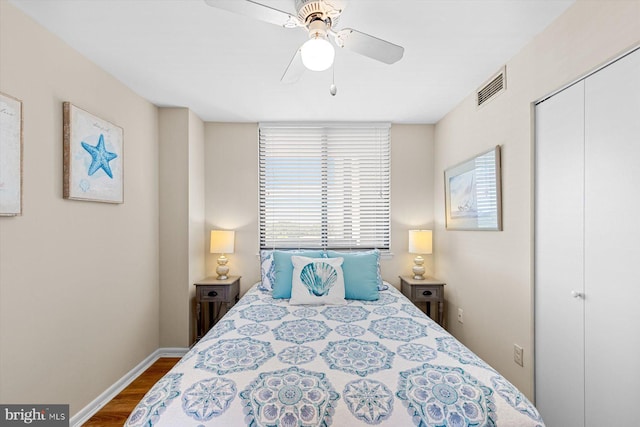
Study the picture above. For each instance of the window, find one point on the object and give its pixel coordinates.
(325, 186)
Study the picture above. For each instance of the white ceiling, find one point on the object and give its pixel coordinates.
(227, 67)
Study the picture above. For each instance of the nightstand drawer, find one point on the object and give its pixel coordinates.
(213, 293)
(426, 293)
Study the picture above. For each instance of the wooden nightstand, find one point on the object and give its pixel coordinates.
(424, 292)
(215, 292)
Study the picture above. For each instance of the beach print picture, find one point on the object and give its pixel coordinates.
(10, 156)
(93, 157)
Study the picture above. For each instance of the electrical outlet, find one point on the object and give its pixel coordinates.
(460, 317)
(518, 355)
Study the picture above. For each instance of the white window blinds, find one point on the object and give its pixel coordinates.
(325, 186)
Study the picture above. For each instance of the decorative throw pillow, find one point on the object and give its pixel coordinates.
(284, 270)
(317, 281)
(362, 279)
(267, 270)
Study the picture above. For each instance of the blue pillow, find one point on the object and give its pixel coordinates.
(284, 270)
(361, 274)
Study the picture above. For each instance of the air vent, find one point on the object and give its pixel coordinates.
(494, 86)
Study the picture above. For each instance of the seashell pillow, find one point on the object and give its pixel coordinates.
(317, 281)
(281, 286)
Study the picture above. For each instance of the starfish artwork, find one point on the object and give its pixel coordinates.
(100, 157)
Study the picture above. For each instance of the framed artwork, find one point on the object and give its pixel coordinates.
(93, 156)
(473, 199)
(10, 156)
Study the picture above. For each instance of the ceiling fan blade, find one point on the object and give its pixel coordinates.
(294, 70)
(370, 46)
(258, 11)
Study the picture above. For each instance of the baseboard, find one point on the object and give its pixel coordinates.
(88, 411)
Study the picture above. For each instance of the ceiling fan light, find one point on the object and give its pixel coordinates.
(317, 54)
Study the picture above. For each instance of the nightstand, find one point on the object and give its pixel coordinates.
(215, 293)
(424, 292)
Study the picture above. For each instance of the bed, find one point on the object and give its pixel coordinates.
(364, 362)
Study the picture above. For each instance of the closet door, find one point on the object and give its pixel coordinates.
(559, 246)
(612, 244)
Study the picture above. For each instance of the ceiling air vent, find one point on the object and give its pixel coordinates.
(494, 86)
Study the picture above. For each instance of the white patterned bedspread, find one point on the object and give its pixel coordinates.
(268, 363)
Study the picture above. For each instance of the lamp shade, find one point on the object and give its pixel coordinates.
(317, 54)
(420, 241)
(222, 241)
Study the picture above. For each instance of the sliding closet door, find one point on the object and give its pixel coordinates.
(612, 244)
(559, 245)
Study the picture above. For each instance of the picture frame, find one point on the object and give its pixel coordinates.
(473, 193)
(93, 157)
(11, 147)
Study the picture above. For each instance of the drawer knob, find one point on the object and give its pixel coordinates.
(426, 293)
(213, 294)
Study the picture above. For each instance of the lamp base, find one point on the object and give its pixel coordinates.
(418, 268)
(222, 269)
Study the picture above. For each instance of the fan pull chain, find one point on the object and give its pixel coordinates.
(333, 89)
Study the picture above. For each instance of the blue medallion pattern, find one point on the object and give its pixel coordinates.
(434, 325)
(417, 352)
(357, 356)
(445, 396)
(350, 330)
(398, 328)
(248, 300)
(301, 331)
(155, 401)
(345, 314)
(453, 348)
(263, 313)
(219, 329)
(305, 312)
(208, 398)
(253, 329)
(268, 299)
(385, 311)
(368, 400)
(384, 299)
(290, 398)
(514, 398)
(235, 355)
(390, 374)
(297, 355)
(412, 310)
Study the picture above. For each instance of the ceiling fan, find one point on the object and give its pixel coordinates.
(318, 17)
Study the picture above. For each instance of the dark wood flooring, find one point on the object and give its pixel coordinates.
(116, 412)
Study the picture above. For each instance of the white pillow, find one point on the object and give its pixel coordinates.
(317, 281)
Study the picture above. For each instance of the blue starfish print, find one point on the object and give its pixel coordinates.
(100, 157)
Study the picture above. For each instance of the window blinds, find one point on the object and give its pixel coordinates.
(325, 186)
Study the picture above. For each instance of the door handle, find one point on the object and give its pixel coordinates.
(577, 294)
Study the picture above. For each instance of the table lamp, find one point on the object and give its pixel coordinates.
(421, 243)
(222, 242)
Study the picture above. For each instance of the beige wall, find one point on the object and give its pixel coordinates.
(197, 245)
(411, 196)
(78, 280)
(231, 201)
(490, 274)
(232, 194)
(181, 222)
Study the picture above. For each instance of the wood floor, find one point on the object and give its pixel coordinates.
(115, 413)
